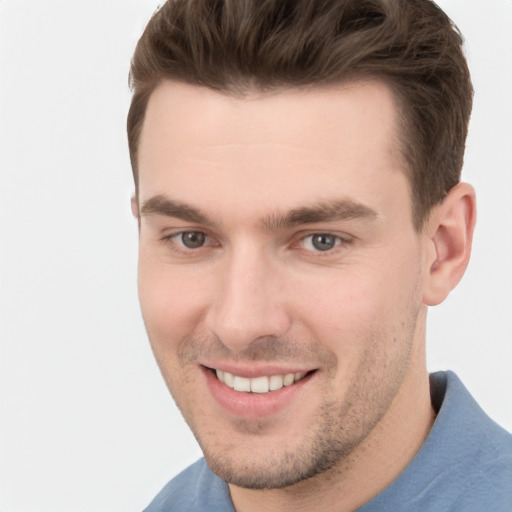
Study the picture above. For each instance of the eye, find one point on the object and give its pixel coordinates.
(320, 242)
(191, 239)
(189, 244)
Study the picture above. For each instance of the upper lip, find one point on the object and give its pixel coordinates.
(253, 370)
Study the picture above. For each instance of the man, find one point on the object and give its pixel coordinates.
(297, 168)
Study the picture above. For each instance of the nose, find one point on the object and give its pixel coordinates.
(249, 301)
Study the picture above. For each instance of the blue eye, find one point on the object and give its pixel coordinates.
(321, 242)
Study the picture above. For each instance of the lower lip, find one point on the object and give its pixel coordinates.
(253, 405)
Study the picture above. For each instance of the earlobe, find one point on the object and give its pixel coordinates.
(451, 229)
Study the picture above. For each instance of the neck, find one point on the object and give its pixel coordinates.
(369, 468)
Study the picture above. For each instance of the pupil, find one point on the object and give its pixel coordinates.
(193, 239)
(323, 242)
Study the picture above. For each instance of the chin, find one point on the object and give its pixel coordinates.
(249, 462)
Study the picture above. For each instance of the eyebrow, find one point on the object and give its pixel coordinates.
(327, 211)
(161, 205)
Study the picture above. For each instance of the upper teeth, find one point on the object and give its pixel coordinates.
(258, 384)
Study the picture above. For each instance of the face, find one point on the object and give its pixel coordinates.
(280, 276)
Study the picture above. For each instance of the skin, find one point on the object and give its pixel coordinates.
(258, 175)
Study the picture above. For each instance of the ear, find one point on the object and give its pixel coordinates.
(450, 230)
(134, 203)
(135, 207)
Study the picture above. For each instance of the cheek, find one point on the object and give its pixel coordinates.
(359, 304)
(171, 309)
(350, 301)
(172, 301)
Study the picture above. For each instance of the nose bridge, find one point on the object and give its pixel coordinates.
(249, 302)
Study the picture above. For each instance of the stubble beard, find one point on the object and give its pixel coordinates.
(336, 432)
(318, 452)
(328, 447)
(330, 441)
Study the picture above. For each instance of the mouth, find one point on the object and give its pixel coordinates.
(256, 394)
(260, 384)
(263, 384)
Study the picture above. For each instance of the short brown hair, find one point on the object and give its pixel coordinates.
(240, 45)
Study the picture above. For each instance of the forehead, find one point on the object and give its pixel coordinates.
(285, 147)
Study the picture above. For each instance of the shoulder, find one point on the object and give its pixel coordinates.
(195, 488)
(465, 463)
(479, 465)
(462, 423)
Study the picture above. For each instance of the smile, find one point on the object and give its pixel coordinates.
(254, 391)
(262, 384)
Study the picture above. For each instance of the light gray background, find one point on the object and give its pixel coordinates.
(86, 423)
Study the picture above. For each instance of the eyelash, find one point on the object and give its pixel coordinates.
(178, 246)
(338, 240)
(172, 240)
